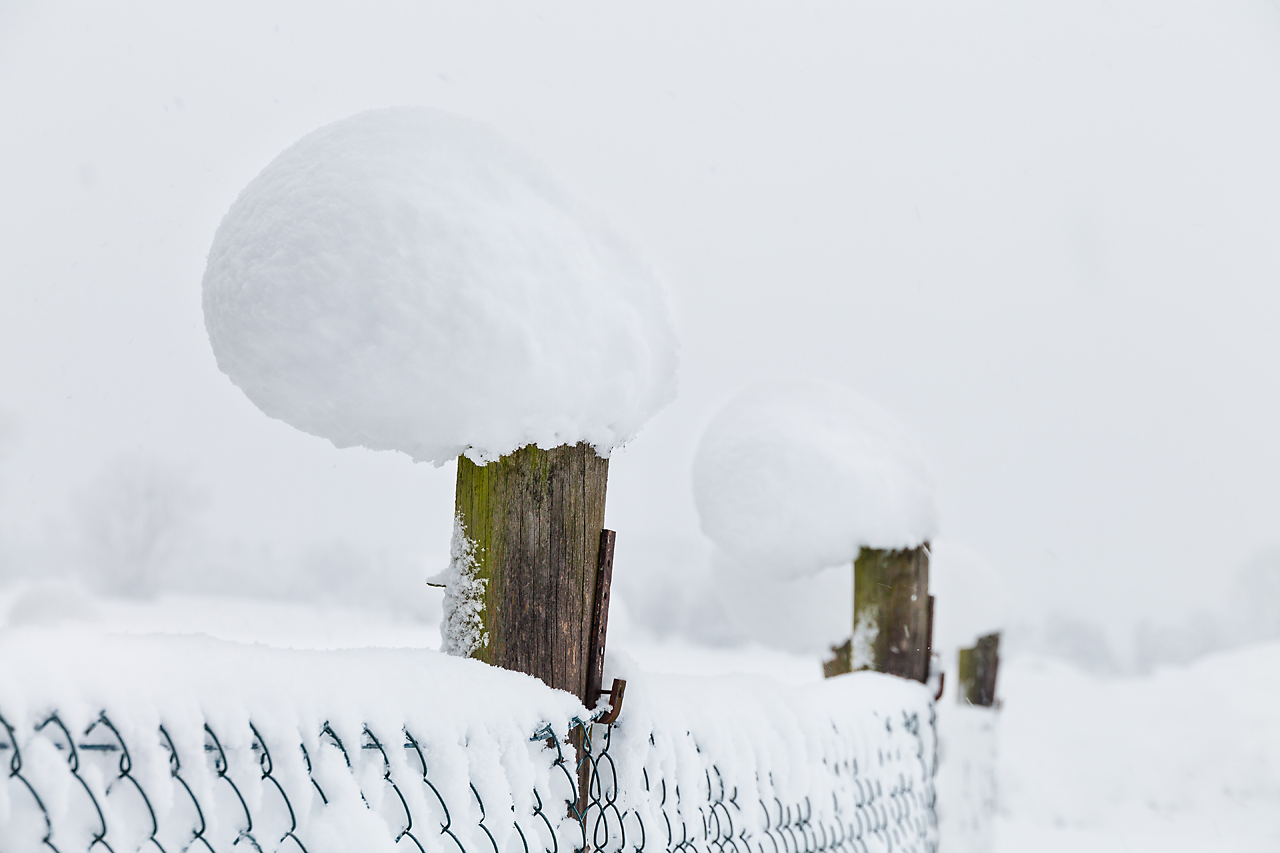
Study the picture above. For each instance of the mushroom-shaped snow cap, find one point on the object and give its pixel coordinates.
(407, 280)
(971, 599)
(793, 477)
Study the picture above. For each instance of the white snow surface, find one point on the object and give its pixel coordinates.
(473, 722)
(1185, 759)
(793, 477)
(405, 279)
(462, 622)
(967, 779)
(767, 741)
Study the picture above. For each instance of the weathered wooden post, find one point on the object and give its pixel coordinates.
(977, 668)
(891, 612)
(841, 660)
(793, 478)
(534, 519)
(892, 618)
(408, 280)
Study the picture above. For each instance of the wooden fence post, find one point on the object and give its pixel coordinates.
(840, 662)
(977, 672)
(536, 518)
(891, 612)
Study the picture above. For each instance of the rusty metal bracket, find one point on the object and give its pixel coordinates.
(599, 618)
(615, 695)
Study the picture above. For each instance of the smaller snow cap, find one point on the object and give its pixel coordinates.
(408, 280)
(970, 600)
(791, 478)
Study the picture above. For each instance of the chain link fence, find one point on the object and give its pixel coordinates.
(864, 786)
(886, 804)
(72, 791)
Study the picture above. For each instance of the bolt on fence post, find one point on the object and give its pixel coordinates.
(977, 669)
(535, 517)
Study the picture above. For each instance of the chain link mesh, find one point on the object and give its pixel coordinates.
(881, 799)
(80, 791)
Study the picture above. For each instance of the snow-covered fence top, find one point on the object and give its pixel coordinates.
(749, 765)
(186, 743)
(178, 743)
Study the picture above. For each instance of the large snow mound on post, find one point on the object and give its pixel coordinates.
(791, 478)
(407, 280)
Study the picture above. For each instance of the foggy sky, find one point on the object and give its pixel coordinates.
(1047, 240)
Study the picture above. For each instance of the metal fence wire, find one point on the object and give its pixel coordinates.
(888, 804)
(82, 790)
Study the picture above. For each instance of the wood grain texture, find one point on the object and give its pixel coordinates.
(536, 518)
(891, 611)
(600, 616)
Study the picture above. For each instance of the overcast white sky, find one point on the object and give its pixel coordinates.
(1047, 239)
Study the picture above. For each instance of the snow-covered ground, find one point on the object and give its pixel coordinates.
(1186, 759)
(300, 625)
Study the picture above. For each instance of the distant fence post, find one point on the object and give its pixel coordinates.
(536, 518)
(977, 672)
(892, 615)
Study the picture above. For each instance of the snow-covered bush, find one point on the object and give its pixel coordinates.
(408, 280)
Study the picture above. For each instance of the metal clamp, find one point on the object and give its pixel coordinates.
(615, 701)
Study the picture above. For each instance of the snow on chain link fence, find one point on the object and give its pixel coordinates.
(211, 764)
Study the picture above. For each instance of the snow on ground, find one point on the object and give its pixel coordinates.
(282, 624)
(298, 625)
(1187, 758)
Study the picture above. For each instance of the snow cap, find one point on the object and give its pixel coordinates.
(793, 477)
(405, 279)
(970, 599)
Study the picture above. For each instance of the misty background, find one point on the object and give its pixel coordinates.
(1046, 239)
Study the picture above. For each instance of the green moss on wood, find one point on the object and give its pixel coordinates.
(976, 671)
(536, 516)
(891, 612)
